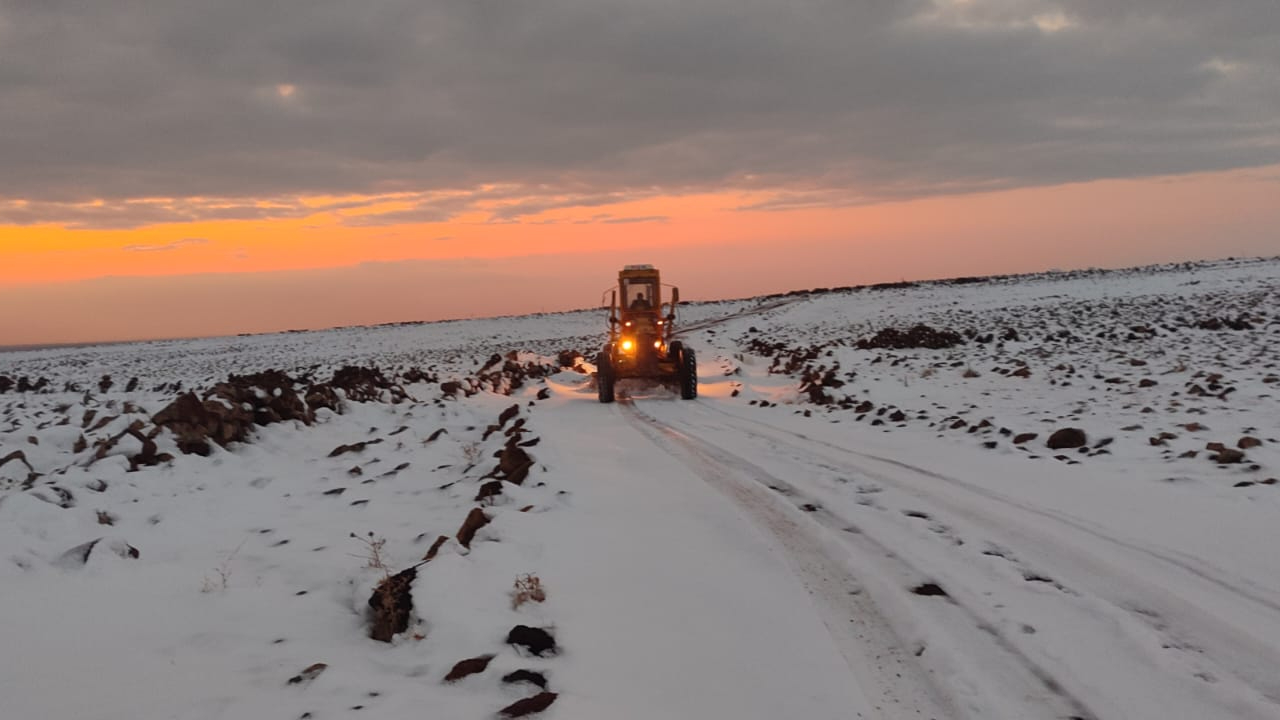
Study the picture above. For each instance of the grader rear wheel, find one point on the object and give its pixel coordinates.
(688, 367)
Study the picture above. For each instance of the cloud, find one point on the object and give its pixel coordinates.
(167, 246)
(574, 100)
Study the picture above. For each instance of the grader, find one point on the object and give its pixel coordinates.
(641, 330)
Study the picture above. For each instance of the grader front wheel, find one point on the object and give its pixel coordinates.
(604, 377)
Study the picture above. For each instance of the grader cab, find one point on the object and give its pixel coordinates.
(641, 337)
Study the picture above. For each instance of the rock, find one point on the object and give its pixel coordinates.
(1146, 383)
(472, 666)
(529, 705)
(77, 556)
(489, 489)
(6, 384)
(392, 605)
(476, 519)
(1228, 456)
(364, 384)
(436, 435)
(544, 393)
(919, 336)
(310, 673)
(930, 590)
(528, 676)
(1021, 438)
(536, 640)
(322, 396)
(353, 447)
(1067, 438)
(435, 548)
(1247, 442)
(1215, 447)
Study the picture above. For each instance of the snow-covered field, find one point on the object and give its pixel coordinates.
(836, 528)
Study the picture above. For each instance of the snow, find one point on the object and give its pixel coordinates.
(750, 554)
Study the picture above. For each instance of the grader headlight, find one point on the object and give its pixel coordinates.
(628, 345)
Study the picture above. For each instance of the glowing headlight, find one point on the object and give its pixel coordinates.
(657, 344)
(628, 346)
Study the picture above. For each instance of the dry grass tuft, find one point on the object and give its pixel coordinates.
(527, 588)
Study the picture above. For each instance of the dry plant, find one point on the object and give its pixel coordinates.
(927, 373)
(971, 373)
(527, 588)
(223, 570)
(372, 554)
(472, 452)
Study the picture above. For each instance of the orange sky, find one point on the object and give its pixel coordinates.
(52, 287)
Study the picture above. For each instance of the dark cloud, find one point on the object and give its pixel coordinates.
(554, 101)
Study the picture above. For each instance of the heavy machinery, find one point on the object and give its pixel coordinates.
(641, 330)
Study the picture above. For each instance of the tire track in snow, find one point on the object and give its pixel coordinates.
(1166, 608)
(855, 621)
(1193, 566)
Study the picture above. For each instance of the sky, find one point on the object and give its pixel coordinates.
(186, 168)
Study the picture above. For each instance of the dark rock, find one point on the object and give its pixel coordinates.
(529, 705)
(919, 336)
(930, 590)
(353, 447)
(364, 384)
(489, 489)
(536, 640)
(1247, 442)
(392, 605)
(528, 676)
(476, 519)
(1021, 438)
(1229, 456)
(435, 548)
(309, 674)
(472, 666)
(1067, 438)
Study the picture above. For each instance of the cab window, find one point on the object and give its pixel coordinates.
(639, 294)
